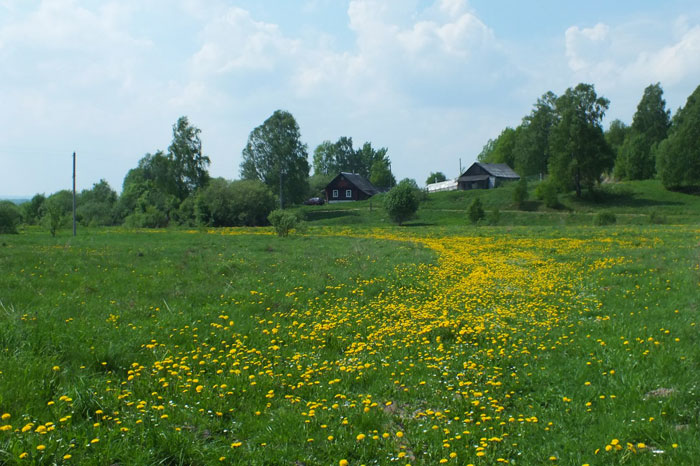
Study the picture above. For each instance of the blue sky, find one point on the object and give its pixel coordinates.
(432, 80)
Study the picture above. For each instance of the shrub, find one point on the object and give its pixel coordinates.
(546, 191)
(520, 193)
(495, 217)
(283, 221)
(225, 203)
(31, 211)
(9, 217)
(54, 213)
(605, 218)
(476, 211)
(656, 218)
(401, 203)
(148, 217)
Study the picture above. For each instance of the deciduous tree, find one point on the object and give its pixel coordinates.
(636, 159)
(276, 156)
(531, 142)
(436, 177)
(189, 164)
(678, 160)
(401, 203)
(579, 151)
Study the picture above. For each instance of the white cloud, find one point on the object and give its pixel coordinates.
(672, 63)
(586, 46)
(235, 41)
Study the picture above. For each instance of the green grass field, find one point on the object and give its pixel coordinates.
(366, 343)
(634, 203)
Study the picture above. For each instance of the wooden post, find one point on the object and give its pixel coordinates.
(74, 229)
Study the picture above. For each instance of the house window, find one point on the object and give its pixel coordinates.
(335, 193)
(348, 193)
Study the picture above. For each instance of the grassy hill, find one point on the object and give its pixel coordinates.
(635, 202)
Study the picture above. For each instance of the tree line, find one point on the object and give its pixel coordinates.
(563, 138)
(173, 187)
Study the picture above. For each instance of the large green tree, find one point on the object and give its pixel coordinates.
(501, 149)
(531, 142)
(615, 135)
(579, 151)
(276, 156)
(436, 177)
(636, 159)
(330, 158)
(31, 211)
(380, 174)
(189, 164)
(678, 161)
(96, 206)
(324, 160)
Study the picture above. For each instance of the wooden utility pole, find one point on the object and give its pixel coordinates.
(74, 231)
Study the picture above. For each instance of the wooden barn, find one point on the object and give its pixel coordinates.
(486, 176)
(349, 187)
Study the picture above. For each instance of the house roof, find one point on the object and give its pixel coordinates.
(500, 170)
(360, 183)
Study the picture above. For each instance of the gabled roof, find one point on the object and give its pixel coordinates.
(360, 183)
(499, 170)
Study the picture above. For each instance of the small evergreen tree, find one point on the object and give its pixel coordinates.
(476, 211)
(520, 193)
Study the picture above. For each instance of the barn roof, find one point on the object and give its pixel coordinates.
(360, 183)
(501, 170)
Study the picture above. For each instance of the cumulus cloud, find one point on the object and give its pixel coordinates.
(236, 41)
(586, 46)
(622, 53)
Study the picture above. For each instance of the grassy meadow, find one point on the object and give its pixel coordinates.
(354, 344)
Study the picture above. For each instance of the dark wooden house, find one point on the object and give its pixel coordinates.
(486, 176)
(349, 187)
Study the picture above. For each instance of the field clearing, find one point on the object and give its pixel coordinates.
(571, 345)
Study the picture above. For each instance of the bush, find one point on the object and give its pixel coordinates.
(225, 203)
(495, 217)
(605, 218)
(9, 217)
(54, 213)
(283, 221)
(31, 211)
(520, 193)
(401, 203)
(476, 211)
(546, 191)
(656, 218)
(148, 217)
(96, 206)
